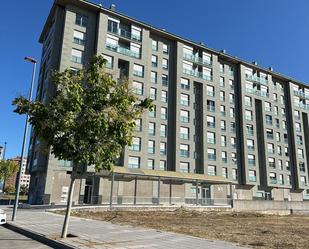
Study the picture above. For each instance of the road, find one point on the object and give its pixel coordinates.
(13, 240)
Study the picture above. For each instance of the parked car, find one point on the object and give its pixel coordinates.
(2, 217)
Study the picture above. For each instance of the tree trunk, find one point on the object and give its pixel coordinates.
(69, 206)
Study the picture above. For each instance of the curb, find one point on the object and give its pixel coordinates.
(38, 237)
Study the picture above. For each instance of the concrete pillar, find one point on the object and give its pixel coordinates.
(170, 201)
(159, 183)
(111, 193)
(196, 192)
(135, 189)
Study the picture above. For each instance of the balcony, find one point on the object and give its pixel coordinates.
(197, 74)
(301, 94)
(257, 92)
(301, 105)
(273, 181)
(184, 153)
(124, 33)
(251, 161)
(252, 178)
(197, 59)
(184, 136)
(256, 79)
(184, 119)
(212, 157)
(122, 50)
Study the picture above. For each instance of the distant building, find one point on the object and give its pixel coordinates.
(1, 152)
(25, 178)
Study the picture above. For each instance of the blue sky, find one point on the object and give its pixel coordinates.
(273, 32)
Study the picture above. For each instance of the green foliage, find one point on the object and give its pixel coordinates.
(91, 117)
(9, 189)
(7, 169)
(24, 190)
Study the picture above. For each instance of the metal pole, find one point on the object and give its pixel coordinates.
(4, 150)
(159, 183)
(24, 142)
(170, 192)
(231, 194)
(135, 189)
(111, 194)
(196, 192)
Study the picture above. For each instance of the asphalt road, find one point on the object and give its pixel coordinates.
(13, 240)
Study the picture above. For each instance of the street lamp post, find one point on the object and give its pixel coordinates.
(24, 140)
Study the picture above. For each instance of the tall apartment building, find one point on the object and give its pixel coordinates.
(214, 113)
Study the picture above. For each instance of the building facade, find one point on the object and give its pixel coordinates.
(214, 113)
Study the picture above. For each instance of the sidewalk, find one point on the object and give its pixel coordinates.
(100, 234)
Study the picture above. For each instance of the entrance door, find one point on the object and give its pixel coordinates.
(87, 196)
(205, 195)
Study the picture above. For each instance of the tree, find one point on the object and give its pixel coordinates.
(88, 121)
(7, 169)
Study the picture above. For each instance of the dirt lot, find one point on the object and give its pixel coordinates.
(251, 230)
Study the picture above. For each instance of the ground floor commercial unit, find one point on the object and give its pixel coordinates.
(124, 186)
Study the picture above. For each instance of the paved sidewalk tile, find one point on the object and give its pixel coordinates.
(101, 234)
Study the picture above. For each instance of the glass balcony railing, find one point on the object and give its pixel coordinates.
(211, 124)
(273, 180)
(212, 157)
(257, 92)
(211, 108)
(301, 105)
(301, 94)
(184, 153)
(124, 33)
(252, 178)
(197, 59)
(184, 119)
(135, 147)
(122, 50)
(257, 79)
(251, 161)
(184, 136)
(197, 74)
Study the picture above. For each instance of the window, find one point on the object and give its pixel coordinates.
(250, 144)
(224, 156)
(302, 167)
(222, 95)
(184, 99)
(153, 112)
(224, 172)
(232, 112)
(270, 134)
(300, 153)
(281, 179)
(163, 113)
(153, 93)
(276, 110)
(211, 170)
(81, 20)
(210, 90)
(162, 148)
(164, 80)
(273, 178)
(138, 124)
(271, 162)
(233, 156)
(286, 151)
(297, 127)
(165, 48)
(136, 33)
(249, 129)
(299, 139)
(77, 56)
(165, 63)
(184, 150)
(284, 124)
(231, 84)
(251, 159)
(223, 125)
(112, 25)
(252, 175)
(232, 98)
(138, 70)
(184, 133)
(150, 163)
(275, 95)
(134, 162)
(184, 84)
(154, 60)
(211, 105)
(184, 116)
(269, 120)
(162, 165)
(221, 68)
(222, 110)
(280, 165)
(154, 45)
(234, 174)
(223, 141)
(164, 96)
(109, 61)
(267, 106)
(270, 148)
(211, 137)
(210, 121)
(296, 114)
(222, 81)
(211, 154)
(152, 128)
(184, 167)
(151, 147)
(153, 77)
(248, 115)
(138, 88)
(233, 142)
(136, 144)
(79, 37)
(163, 130)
